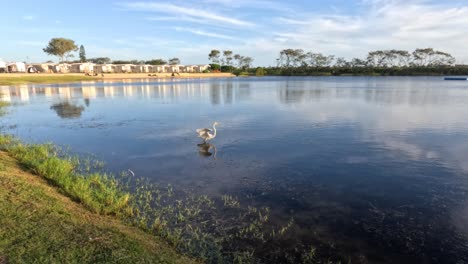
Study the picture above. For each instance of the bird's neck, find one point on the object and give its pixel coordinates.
(214, 129)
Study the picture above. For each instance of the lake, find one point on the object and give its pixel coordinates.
(366, 169)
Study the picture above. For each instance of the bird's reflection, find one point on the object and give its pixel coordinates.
(206, 150)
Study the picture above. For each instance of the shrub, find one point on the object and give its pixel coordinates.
(259, 72)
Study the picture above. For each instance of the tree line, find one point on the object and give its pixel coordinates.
(421, 61)
(63, 48)
(427, 57)
(227, 61)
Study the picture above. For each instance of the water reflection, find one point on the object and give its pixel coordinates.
(207, 150)
(219, 92)
(67, 110)
(355, 161)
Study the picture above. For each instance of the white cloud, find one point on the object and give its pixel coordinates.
(380, 25)
(257, 4)
(179, 10)
(28, 17)
(204, 33)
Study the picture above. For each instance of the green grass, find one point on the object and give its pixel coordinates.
(98, 192)
(40, 225)
(17, 80)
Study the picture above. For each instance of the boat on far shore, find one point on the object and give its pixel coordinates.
(456, 78)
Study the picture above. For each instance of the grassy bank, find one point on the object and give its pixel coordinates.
(32, 79)
(42, 225)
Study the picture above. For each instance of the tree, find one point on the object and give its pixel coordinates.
(356, 62)
(227, 57)
(100, 60)
(292, 57)
(431, 57)
(82, 54)
(377, 58)
(214, 56)
(320, 60)
(400, 58)
(174, 61)
(341, 62)
(246, 61)
(61, 47)
(238, 58)
(259, 71)
(156, 62)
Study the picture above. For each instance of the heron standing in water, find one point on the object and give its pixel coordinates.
(206, 133)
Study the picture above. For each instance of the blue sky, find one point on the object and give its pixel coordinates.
(189, 29)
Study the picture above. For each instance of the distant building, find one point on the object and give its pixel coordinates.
(123, 68)
(146, 68)
(16, 67)
(159, 68)
(201, 68)
(44, 67)
(3, 66)
(104, 68)
(189, 68)
(173, 68)
(62, 68)
(85, 67)
(136, 69)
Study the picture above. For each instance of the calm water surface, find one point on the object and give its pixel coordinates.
(371, 168)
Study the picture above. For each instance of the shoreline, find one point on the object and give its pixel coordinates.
(8, 79)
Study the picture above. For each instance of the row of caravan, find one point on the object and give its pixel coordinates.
(15, 67)
(87, 67)
(118, 68)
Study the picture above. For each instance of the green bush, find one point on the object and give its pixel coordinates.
(225, 68)
(259, 72)
(215, 67)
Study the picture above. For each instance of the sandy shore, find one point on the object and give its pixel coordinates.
(124, 75)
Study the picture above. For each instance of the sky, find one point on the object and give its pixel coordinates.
(189, 29)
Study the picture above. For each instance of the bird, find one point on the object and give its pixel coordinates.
(205, 134)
